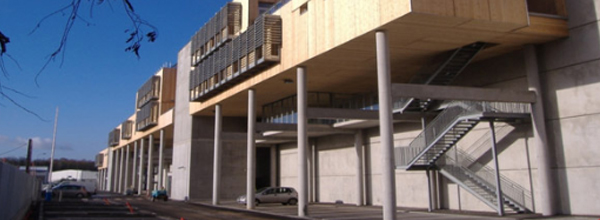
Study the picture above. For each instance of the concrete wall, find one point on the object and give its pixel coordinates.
(17, 191)
(182, 129)
(571, 80)
(233, 167)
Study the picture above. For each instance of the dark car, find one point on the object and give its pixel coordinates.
(69, 191)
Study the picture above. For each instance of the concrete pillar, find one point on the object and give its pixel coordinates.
(358, 147)
(217, 155)
(251, 155)
(115, 173)
(302, 143)
(497, 171)
(386, 127)
(121, 168)
(161, 150)
(134, 174)
(545, 184)
(150, 171)
(141, 167)
(127, 177)
(274, 165)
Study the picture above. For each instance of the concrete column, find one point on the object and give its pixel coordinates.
(150, 171)
(161, 150)
(121, 168)
(134, 174)
(497, 171)
(115, 173)
(386, 127)
(302, 143)
(127, 177)
(545, 184)
(251, 155)
(217, 156)
(358, 147)
(273, 165)
(141, 167)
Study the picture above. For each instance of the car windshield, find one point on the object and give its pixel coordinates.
(262, 189)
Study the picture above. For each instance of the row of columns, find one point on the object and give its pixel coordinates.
(121, 174)
(386, 135)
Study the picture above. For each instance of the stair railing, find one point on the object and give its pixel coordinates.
(486, 174)
(457, 110)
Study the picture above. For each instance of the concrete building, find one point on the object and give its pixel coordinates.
(439, 104)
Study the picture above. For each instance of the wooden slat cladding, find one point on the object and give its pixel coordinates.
(220, 29)
(149, 91)
(147, 116)
(167, 98)
(252, 51)
(114, 137)
(127, 129)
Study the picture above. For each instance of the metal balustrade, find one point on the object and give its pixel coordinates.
(454, 122)
(238, 59)
(518, 196)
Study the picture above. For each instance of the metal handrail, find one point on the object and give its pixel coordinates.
(514, 191)
(458, 111)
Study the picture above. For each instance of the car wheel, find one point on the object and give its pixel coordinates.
(256, 202)
(153, 198)
(166, 198)
(292, 202)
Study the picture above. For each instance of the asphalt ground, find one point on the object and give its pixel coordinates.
(113, 206)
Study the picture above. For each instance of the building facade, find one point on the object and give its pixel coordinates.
(475, 105)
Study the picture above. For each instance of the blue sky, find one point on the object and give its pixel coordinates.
(95, 85)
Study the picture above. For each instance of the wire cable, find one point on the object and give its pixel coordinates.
(13, 150)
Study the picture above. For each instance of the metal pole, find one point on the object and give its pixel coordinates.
(546, 183)
(141, 167)
(161, 149)
(150, 171)
(53, 147)
(217, 156)
(302, 142)
(497, 173)
(386, 127)
(251, 161)
(429, 194)
(358, 145)
(28, 161)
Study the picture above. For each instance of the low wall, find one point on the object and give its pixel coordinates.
(17, 191)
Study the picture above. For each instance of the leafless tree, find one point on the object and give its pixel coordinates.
(140, 31)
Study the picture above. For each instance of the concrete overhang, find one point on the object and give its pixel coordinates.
(342, 60)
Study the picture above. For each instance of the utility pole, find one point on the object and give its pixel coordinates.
(28, 161)
(53, 147)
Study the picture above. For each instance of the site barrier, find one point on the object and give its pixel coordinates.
(18, 190)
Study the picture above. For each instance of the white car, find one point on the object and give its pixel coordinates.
(283, 195)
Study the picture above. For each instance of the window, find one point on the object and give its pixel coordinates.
(264, 7)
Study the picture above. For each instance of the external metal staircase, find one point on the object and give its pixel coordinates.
(479, 180)
(428, 151)
(444, 74)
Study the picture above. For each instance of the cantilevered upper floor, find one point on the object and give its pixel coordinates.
(155, 100)
(335, 41)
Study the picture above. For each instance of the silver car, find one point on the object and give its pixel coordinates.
(283, 195)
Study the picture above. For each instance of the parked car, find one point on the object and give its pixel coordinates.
(68, 190)
(283, 195)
